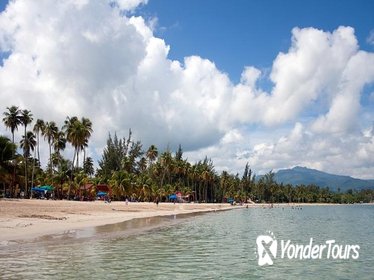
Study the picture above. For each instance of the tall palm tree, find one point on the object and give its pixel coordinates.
(74, 134)
(12, 119)
(49, 133)
(59, 144)
(26, 119)
(87, 127)
(77, 133)
(152, 153)
(38, 129)
(59, 141)
(28, 143)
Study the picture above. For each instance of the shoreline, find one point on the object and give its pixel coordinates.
(22, 220)
(25, 220)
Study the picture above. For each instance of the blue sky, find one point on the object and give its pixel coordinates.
(242, 32)
(272, 83)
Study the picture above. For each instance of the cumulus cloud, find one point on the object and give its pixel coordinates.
(313, 68)
(100, 60)
(87, 58)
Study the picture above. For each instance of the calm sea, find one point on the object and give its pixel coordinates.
(219, 245)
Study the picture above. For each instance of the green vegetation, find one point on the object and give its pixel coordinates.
(132, 172)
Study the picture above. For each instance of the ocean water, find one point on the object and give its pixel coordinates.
(218, 245)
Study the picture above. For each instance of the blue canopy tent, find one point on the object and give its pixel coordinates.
(173, 197)
(47, 188)
(37, 189)
(42, 188)
(42, 192)
(101, 194)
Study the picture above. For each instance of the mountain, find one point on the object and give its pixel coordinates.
(302, 175)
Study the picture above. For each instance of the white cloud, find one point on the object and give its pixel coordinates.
(312, 69)
(89, 58)
(129, 5)
(370, 38)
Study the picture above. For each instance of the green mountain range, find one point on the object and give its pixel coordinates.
(302, 175)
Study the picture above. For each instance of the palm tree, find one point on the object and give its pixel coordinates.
(12, 119)
(26, 119)
(152, 154)
(87, 127)
(38, 128)
(166, 161)
(120, 183)
(7, 150)
(49, 133)
(59, 144)
(77, 134)
(88, 166)
(7, 154)
(28, 143)
(59, 141)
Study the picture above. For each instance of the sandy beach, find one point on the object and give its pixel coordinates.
(28, 219)
(22, 219)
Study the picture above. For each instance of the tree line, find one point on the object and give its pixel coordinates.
(16, 168)
(134, 172)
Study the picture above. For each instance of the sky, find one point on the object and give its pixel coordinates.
(276, 84)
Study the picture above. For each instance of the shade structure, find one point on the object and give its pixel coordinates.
(172, 196)
(101, 194)
(47, 188)
(37, 189)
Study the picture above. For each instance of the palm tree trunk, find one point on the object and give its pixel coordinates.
(26, 187)
(72, 171)
(32, 174)
(77, 158)
(206, 192)
(84, 155)
(38, 148)
(25, 158)
(50, 158)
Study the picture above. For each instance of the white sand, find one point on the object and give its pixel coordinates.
(27, 219)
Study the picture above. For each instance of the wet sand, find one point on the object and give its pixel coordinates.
(30, 219)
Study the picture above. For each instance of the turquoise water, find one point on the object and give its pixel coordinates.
(220, 245)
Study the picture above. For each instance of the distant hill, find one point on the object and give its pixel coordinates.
(302, 175)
